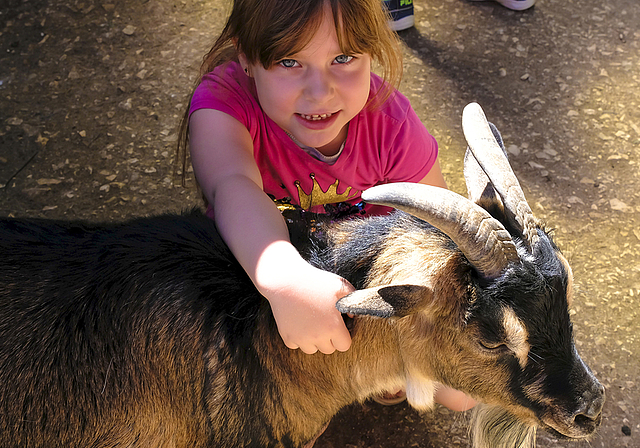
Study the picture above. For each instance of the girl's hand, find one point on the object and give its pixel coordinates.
(303, 300)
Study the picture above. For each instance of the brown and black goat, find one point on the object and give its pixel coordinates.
(149, 333)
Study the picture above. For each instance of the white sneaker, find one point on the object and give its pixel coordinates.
(516, 5)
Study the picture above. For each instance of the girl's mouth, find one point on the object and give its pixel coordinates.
(318, 122)
(316, 117)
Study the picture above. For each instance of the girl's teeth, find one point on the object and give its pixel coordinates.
(315, 117)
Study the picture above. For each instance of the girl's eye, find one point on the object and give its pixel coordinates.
(343, 59)
(288, 63)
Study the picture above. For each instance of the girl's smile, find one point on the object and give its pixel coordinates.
(318, 121)
(316, 117)
(315, 93)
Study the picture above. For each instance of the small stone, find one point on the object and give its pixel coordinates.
(536, 166)
(48, 181)
(618, 205)
(73, 74)
(42, 140)
(575, 200)
(502, 72)
(604, 137)
(525, 76)
(626, 430)
(513, 150)
(129, 30)
(126, 105)
(542, 155)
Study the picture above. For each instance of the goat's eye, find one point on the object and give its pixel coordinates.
(494, 346)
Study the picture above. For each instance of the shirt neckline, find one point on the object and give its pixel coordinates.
(313, 152)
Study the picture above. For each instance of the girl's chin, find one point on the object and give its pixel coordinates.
(321, 139)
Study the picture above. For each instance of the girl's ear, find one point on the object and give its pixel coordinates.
(244, 63)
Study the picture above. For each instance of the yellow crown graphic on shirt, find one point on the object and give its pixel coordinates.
(319, 197)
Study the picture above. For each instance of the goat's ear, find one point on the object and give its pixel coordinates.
(385, 301)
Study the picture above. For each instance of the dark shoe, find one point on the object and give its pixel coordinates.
(401, 14)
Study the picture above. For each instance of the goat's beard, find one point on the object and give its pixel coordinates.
(494, 427)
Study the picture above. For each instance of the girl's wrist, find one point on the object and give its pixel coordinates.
(279, 265)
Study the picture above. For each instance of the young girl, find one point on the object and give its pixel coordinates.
(287, 113)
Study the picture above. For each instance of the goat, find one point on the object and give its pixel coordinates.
(149, 333)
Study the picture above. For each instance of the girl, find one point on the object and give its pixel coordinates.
(287, 110)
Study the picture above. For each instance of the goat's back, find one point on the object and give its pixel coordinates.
(105, 330)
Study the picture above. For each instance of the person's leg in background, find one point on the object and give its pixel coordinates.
(402, 17)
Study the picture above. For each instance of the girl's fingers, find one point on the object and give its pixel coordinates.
(326, 348)
(342, 344)
(309, 349)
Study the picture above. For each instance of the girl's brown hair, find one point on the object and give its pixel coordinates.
(267, 31)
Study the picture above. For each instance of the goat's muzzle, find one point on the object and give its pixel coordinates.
(583, 420)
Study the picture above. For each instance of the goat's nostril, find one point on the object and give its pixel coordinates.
(590, 418)
(589, 415)
(583, 420)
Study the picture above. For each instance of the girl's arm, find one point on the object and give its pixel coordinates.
(302, 297)
(435, 177)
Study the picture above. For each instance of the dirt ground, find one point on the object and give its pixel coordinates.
(91, 93)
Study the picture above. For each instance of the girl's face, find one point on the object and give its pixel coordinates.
(316, 92)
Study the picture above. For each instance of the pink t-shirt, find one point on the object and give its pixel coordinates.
(384, 144)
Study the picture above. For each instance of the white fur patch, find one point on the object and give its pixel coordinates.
(420, 393)
(517, 336)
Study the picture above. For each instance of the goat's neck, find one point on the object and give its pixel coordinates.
(373, 364)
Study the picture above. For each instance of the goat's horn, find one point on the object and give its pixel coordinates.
(494, 163)
(481, 238)
(479, 187)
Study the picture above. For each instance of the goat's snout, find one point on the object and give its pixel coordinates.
(583, 418)
(588, 415)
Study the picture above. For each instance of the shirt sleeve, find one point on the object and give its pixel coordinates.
(226, 90)
(412, 151)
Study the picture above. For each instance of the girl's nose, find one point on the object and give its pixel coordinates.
(319, 86)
